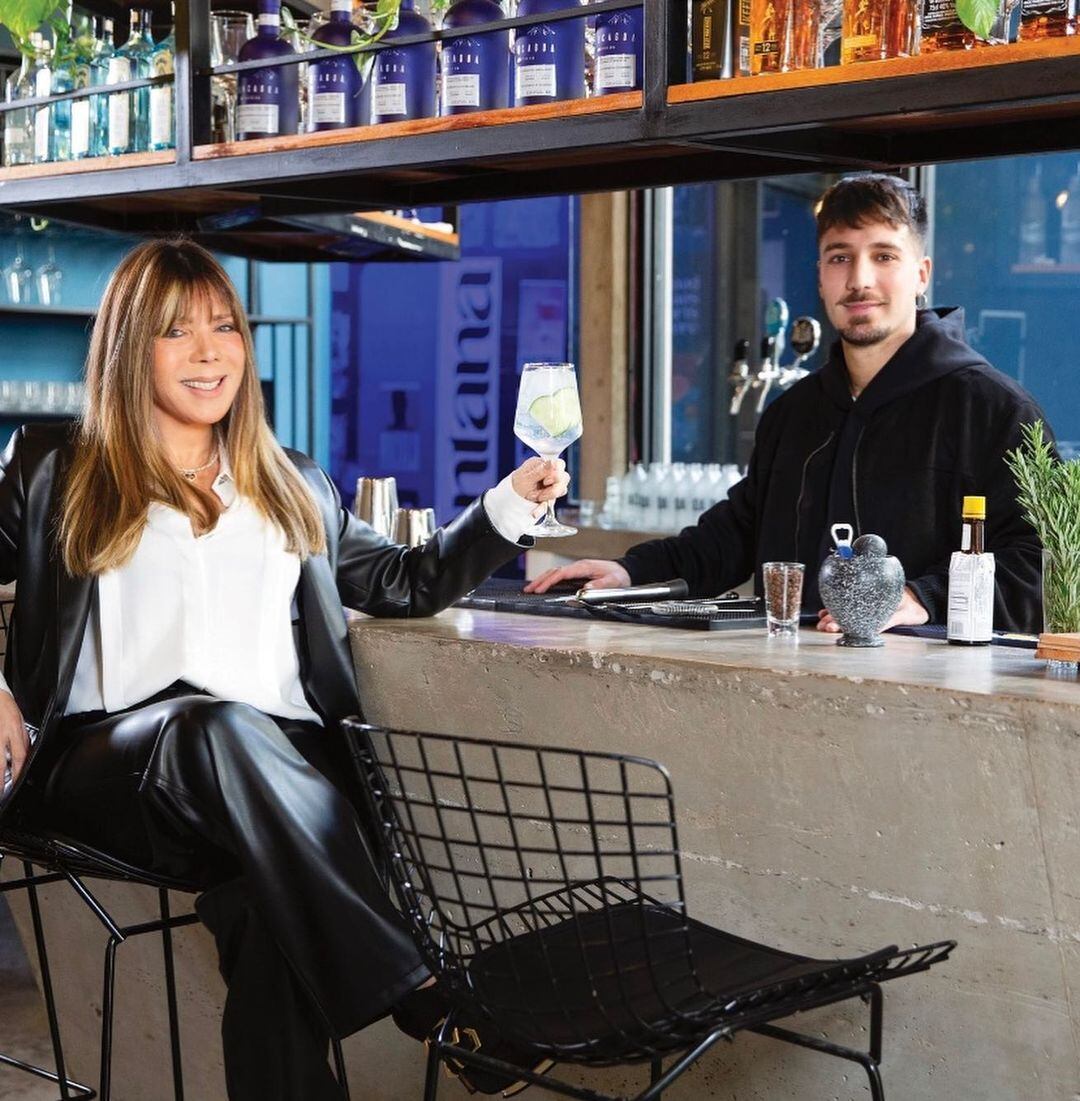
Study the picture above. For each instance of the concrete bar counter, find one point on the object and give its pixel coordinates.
(831, 801)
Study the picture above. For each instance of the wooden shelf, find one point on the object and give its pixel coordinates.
(50, 170)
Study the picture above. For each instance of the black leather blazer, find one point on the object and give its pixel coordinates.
(360, 569)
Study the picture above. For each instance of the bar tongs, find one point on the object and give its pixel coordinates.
(675, 589)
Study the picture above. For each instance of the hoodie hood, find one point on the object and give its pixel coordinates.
(936, 348)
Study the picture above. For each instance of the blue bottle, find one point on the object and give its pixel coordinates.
(137, 51)
(267, 100)
(549, 59)
(334, 83)
(619, 37)
(475, 67)
(99, 77)
(403, 80)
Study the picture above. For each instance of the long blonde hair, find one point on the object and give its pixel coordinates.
(120, 465)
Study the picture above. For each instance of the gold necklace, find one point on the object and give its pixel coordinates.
(196, 470)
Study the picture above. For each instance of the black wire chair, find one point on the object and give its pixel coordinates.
(544, 889)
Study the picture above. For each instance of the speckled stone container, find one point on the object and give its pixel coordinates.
(861, 593)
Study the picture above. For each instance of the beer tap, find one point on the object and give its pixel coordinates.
(740, 375)
(805, 341)
(772, 348)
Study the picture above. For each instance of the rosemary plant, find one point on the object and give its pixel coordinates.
(1049, 494)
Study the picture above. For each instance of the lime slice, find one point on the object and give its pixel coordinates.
(557, 413)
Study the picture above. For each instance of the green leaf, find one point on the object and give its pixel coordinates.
(978, 15)
(21, 17)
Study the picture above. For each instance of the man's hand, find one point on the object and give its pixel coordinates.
(14, 744)
(910, 613)
(601, 574)
(540, 480)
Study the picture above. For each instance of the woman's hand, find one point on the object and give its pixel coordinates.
(14, 743)
(910, 613)
(540, 480)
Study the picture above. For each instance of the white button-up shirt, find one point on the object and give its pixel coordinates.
(215, 610)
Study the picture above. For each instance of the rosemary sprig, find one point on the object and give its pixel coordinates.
(1049, 494)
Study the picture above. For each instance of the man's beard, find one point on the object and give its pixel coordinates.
(863, 335)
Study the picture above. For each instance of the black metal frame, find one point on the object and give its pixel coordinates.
(635, 140)
(544, 889)
(63, 860)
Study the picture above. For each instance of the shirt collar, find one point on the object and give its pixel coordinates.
(223, 485)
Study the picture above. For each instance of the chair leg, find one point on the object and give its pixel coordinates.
(431, 1078)
(107, 994)
(46, 981)
(170, 994)
(339, 1067)
(656, 1070)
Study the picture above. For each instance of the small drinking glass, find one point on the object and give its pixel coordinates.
(548, 419)
(783, 596)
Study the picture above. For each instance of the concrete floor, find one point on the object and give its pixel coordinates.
(25, 1032)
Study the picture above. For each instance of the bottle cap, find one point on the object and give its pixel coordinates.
(974, 508)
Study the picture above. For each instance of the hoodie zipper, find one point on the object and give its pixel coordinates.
(854, 480)
(802, 486)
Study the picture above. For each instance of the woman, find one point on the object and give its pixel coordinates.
(179, 640)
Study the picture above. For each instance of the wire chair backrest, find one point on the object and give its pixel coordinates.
(543, 885)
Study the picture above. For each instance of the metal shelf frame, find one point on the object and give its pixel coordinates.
(880, 115)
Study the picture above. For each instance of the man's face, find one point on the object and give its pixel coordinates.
(869, 277)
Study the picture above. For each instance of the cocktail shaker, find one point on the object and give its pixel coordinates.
(377, 503)
(414, 526)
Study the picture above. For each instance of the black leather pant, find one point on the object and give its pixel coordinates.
(249, 809)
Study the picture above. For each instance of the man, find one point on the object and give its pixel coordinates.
(901, 422)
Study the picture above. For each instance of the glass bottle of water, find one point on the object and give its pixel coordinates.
(84, 40)
(41, 81)
(162, 108)
(99, 78)
(138, 50)
(18, 125)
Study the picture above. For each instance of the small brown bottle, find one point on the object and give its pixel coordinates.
(971, 581)
(1046, 19)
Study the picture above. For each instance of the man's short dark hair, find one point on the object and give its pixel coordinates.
(856, 200)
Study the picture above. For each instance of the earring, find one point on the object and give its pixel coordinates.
(920, 301)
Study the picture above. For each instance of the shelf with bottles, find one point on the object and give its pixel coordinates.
(41, 398)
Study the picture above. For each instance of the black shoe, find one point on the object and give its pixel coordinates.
(488, 1042)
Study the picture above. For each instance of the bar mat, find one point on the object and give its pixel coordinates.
(504, 595)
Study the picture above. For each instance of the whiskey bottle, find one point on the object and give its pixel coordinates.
(970, 619)
(740, 37)
(942, 29)
(864, 30)
(709, 39)
(902, 28)
(805, 39)
(770, 32)
(1047, 19)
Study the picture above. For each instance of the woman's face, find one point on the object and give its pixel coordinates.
(198, 365)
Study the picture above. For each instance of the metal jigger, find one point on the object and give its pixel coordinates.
(377, 503)
(414, 526)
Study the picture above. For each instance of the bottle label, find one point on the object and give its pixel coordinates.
(971, 597)
(534, 80)
(257, 118)
(965, 538)
(14, 136)
(341, 5)
(80, 127)
(940, 15)
(1040, 9)
(268, 20)
(389, 99)
(41, 133)
(161, 116)
(616, 70)
(120, 121)
(461, 89)
(328, 107)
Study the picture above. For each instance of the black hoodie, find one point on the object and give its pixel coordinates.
(932, 427)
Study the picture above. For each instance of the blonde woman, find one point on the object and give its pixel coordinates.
(179, 641)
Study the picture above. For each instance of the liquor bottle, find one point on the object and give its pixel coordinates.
(710, 41)
(475, 68)
(138, 50)
(770, 35)
(805, 37)
(942, 29)
(162, 125)
(101, 104)
(864, 30)
(1047, 19)
(121, 125)
(902, 28)
(1070, 223)
(403, 80)
(85, 40)
(334, 83)
(1033, 221)
(267, 100)
(549, 59)
(740, 37)
(62, 79)
(18, 125)
(41, 82)
(971, 581)
(619, 38)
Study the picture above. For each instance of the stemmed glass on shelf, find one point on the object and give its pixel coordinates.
(548, 419)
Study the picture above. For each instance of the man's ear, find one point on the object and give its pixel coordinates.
(926, 266)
